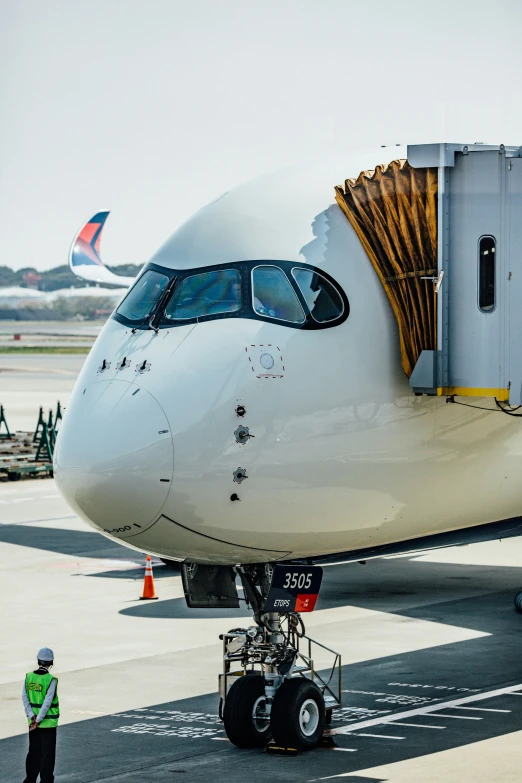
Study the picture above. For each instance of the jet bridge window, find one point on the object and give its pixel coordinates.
(274, 297)
(209, 293)
(324, 302)
(487, 248)
(142, 297)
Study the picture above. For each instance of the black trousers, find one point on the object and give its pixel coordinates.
(41, 756)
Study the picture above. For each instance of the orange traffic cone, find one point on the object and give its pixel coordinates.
(149, 594)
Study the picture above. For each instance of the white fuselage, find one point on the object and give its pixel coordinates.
(344, 455)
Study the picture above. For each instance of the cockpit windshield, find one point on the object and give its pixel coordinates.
(142, 297)
(282, 292)
(209, 293)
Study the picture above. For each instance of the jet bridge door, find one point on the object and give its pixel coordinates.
(514, 276)
(475, 333)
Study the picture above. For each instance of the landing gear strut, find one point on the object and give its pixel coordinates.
(270, 688)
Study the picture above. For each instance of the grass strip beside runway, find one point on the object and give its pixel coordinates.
(49, 349)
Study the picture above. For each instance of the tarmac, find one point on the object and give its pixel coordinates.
(28, 381)
(432, 679)
(432, 672)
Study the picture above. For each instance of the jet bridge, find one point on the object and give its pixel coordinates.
(445, 237)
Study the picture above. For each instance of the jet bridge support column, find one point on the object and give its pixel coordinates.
(442, 354)
(514, 276)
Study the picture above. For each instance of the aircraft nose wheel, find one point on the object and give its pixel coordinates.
(297, 718)
(245, 716)
(518, 602)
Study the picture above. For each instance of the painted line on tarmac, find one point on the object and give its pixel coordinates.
(453, 717)
(480, 709)
(420, 725)
(24, 500)
(41, 369)
(34, 521)
(511, 690)
(381, 736)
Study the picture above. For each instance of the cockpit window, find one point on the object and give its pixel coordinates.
(324, 302)
(288, 293)
(206, 294)
(143, 296)
(274, 297)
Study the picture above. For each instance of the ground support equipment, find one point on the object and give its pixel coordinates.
(18, 456)
(44, 452)
(39, 426)
(3, 421)
(19, 443)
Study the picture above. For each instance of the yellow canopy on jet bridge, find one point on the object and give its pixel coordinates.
(394, 213)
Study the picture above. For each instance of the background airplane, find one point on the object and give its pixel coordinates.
(84, 255)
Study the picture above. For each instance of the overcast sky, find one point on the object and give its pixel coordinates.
(151, 108)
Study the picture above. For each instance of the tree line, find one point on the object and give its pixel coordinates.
(54, 279)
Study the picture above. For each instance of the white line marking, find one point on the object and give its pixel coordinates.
(28, 522)
(427, 708)
(223, 739)
(420, 725)
(515, 693)
(480, 709)
(347, 750)
(380, 736)
(454, 717)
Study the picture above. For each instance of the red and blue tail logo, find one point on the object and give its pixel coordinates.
(86, 248)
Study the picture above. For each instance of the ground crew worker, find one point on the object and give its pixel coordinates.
(40, 698)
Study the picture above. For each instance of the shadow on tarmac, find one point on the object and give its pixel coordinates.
(185, 736)
(64, 542)
(77, 543)
(177, 608)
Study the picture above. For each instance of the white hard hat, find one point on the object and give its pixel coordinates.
(45, 654)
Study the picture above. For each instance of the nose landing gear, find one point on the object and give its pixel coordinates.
(270, 687)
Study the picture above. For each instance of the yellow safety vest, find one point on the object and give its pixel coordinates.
(36, 686)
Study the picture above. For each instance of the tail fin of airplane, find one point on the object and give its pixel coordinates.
(84, 256)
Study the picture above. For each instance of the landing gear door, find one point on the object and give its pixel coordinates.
(294, 588)
(209, 587)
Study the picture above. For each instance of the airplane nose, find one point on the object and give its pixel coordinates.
(114, 457)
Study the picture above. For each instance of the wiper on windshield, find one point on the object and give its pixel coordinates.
(160, 304)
